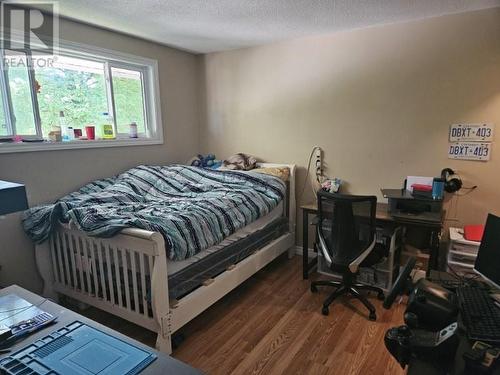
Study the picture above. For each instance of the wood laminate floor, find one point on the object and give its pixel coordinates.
(272, 324)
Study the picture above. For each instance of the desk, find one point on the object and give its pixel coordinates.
(164, 364)
(453, 366)
(456, 367)
(382, 216)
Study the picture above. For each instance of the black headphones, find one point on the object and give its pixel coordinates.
(452, 182)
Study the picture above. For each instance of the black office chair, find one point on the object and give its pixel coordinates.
(346, 238)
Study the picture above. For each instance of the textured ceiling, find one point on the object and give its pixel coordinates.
(216, 25)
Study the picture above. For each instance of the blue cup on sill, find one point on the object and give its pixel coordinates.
(437, 188)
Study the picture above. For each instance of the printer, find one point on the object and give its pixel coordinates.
(403, 205)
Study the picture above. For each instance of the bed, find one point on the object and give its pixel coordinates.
(129, 275)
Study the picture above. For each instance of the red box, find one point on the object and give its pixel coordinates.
(473, 232)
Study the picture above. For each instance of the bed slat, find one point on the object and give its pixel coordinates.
(79, 266)
(93, 265)
(85, 263)
(143, 283)
(73, 267)
(133, 267)
(150, 263)
(53, 245)
(65, 254)
(101, 271)
(118, 277)
(110, 276)
(125, 278)
(60, 270)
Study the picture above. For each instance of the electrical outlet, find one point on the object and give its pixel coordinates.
(319, 162)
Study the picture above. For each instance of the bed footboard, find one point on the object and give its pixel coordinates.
(125, 276)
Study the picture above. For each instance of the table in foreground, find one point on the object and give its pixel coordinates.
(163, 364)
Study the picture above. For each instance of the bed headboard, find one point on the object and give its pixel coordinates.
(291, 203)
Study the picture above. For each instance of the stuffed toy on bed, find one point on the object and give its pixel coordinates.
(240, 161)
(208, 161)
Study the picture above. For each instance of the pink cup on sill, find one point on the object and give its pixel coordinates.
(90, 132)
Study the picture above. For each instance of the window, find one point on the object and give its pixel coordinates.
(75, 86)
(23, 120)
(129, 99)
(3, 124)
(90, 86)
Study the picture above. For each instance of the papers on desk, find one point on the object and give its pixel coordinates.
(21, 317)
(420, 180)
(14, 310)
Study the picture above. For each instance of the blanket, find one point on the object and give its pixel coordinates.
(193, 208)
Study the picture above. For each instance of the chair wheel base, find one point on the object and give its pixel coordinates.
(381, 296)
(372, 317)
(325, 310)
(314, 289)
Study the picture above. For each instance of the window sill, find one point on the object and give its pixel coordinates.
(74, 145)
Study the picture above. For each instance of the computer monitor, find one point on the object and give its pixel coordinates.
(488, 257)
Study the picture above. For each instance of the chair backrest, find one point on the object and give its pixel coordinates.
(347, 225)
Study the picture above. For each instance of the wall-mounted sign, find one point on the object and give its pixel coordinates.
(472, 132)
(469, 151)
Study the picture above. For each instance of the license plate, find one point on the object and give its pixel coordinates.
(472, 132)
(469, 151)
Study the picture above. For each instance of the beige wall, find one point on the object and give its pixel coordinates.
(379, 101)
(49, 175)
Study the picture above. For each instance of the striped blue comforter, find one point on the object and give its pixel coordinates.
(193, 208)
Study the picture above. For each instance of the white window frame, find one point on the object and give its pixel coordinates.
(145, 95)
(8, 106)
(112, 59)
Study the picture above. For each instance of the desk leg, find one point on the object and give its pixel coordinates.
(305, 244)
(434, 256)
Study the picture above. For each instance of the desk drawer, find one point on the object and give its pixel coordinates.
(462, 248)
(461, 257)
(460, 268)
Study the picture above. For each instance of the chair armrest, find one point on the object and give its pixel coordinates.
(354, 265)
(323, 246)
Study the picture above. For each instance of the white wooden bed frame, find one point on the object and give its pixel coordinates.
(68, 262)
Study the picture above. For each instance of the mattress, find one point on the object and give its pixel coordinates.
(260, 223)
(186, 275)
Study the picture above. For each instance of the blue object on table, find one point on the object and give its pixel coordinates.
(437, 188)
(78, 349)
(25, 327)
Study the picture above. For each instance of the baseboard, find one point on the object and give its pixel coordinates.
(311, 252)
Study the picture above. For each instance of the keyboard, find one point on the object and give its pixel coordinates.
(450, 284)
(33, 324)
(480, 314)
